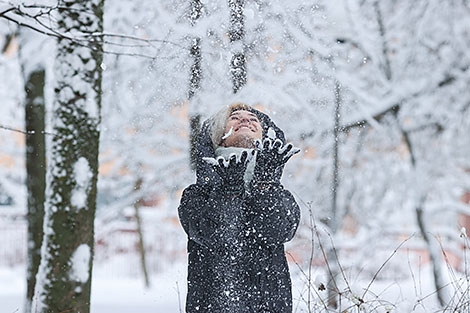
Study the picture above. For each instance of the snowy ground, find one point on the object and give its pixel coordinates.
(120, 294)
(109, 295)
(414, 294)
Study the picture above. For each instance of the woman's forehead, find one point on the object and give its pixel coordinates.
(237, 112)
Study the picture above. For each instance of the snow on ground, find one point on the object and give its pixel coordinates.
(415, 293)
(124, 295)
(12, 289)
(109, 294)
(120, 294)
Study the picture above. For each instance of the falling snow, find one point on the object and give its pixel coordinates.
(401, 132)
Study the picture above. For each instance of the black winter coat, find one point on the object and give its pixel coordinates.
(236, 260)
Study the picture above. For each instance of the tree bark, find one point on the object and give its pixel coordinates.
(236, 36)
(434, 255)
(64, 277)
(434, 251)
(386, 66)
(194, 82)
(140, 233)
(194, 126)
(333, 222)
(35, 174)
(195, 51)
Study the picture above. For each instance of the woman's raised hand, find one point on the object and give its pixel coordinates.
(270, 156)
(233, 169)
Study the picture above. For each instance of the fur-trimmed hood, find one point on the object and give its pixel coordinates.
(210, 136)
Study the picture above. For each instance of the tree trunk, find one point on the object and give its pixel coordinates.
(64, 277)
(35, 174)
(333, 221)
(34, 74)
(434, 251)
(194, 82)
(140, 233)
(386, 62)
(236, 36)
(194, 126)
(434, 255)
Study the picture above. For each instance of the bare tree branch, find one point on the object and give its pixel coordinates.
(23, 131)
(84, 40)
(6, 11)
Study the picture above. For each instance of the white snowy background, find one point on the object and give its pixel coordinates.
(415, 57)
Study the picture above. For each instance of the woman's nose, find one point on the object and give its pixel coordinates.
(243, 120)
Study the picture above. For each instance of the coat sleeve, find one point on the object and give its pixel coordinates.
(210, 218)
(273, 217)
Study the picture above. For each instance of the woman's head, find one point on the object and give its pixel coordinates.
(237, 126)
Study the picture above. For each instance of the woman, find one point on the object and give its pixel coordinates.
(238, 216)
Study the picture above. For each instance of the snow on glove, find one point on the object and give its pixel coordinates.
(270, 156)
(231, 171)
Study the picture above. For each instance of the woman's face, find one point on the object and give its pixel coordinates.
(245, 129)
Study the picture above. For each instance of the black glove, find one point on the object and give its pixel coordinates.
(231, 171)
(270, 156)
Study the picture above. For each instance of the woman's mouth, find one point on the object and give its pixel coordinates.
(243, 126)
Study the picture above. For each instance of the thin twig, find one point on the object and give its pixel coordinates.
(179, 298)
(311, 256)
(326, 259)
(29, 132)
(6, 11)
(337, 261)
(385, 263)
(137, 39)
(308, 282)
(75, 41)
(412, 274)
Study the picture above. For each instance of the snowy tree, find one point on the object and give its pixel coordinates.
(389, 98)
(385, 155)
(12, 191)
(405, 94)
(381, 61)
(64, 277)
(195, 12)
(34, 72)
(145, 107)
(236, 35)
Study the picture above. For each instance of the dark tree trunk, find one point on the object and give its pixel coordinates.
(194, 126)
(433, 248)
(336, 131)
(64, 277)
(238, 71)
(194, 81)
(140, 233)
(236, 35)
(195, 77)
(386, 61)
(35, 174)
(333, 221)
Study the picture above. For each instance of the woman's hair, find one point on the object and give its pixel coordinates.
(220, 118)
